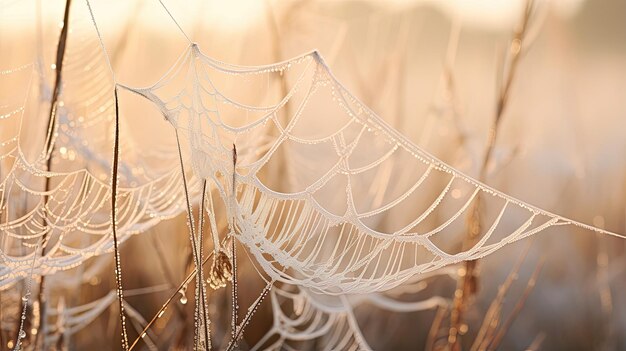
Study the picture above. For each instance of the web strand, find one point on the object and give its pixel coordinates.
(175, 21)
(104, 50)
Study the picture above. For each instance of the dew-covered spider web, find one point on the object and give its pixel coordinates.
(358, 208)
(333, 206)
(302, 316)
(67, 207)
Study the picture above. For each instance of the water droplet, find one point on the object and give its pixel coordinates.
(183, 300)
(463, 329)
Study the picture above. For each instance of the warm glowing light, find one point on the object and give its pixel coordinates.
(492, 13)
(232, 14)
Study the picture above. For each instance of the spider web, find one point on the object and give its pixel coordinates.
(359, 208)
(301, 316)
(72, 216)
(332, 202)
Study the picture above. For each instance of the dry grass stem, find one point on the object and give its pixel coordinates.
(468, 281)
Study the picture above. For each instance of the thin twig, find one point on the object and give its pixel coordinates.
(200, 282)
(48, 151)
(118, 263)
(192, 235)
(235, 303)
(493, 313)
(515, 49)
(467, 285)
(248, 317)
(161, 310)
(534, 346)
(518, 307)
(165, 268)
(435, 328)
(127, 32)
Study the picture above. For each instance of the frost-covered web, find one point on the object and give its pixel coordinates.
(356, 207)
(66, 320)
(328, 199)
(301, 316)
(68, 206)
(331, 324)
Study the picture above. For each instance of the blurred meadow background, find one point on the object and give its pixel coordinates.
(434, 70)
